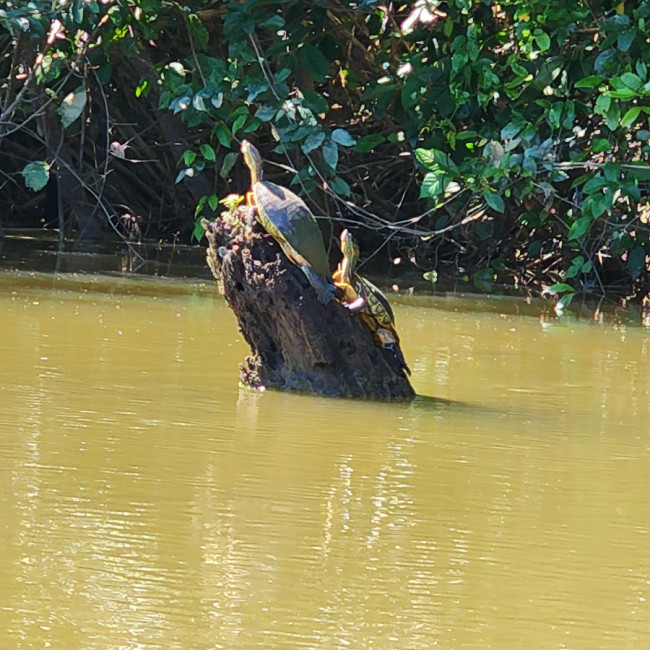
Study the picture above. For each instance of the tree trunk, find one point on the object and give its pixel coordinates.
(297, 343)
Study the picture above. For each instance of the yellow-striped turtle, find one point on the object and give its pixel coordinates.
(291, 223)
(362, 296)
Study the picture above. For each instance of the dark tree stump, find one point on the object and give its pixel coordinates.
(297, 343)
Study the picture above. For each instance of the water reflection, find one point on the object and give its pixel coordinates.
(148, 502)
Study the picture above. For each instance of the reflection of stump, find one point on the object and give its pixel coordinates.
(298, 344)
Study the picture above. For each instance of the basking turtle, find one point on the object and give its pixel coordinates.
(362, 296)
(291, 223)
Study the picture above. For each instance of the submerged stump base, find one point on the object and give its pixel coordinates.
(298, 344)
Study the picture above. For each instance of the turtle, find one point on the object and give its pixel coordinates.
(362, 296)
(286, 217)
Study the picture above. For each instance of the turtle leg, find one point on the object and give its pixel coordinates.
(324, 289)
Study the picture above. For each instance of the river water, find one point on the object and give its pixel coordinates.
(147, 502)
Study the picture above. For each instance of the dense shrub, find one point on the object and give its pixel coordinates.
(495, 141)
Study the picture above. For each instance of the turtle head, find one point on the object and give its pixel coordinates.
(253, 160)
(350, 251)
(349, 247)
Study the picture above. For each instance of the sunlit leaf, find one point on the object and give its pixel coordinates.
(36, 175)
(558, 288)
(72, 106)
(342, 137)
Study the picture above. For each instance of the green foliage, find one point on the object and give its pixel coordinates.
(534, 114)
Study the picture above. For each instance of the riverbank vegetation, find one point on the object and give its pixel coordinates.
(493, 143)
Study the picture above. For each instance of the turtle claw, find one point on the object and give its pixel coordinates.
(324, 289)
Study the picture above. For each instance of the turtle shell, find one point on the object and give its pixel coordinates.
(286, 217)
(376, 302)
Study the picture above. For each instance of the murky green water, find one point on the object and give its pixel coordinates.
(145, 502)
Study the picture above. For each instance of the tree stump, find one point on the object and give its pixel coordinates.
(298, 344)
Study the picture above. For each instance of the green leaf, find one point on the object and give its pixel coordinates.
(600, 203)
(313, 141)
(613, 117)
(331, 154)
(494, 200)
(575, 267)
(433, 185)
(198, 32)
(368, 142)
(579, 227)
(564, 302)
(342, 137)
(238, 123)
(198, 103)
(183, 173)
(512, 129)
(631, 80)
(589, 82)
(631, 189)
(199, 230)
(602, 105)
(340, 186)
(631, 116)
(36, 175)
(434, 158)
(228, 163)
(274, 22)
(612, 172)
(600, 145)
(543, 40)
(558, 288)
(208, 152)
(265, 113)
(314, 62)
(594, 184)
(623, 93)
(625, 40)
(72, 106)
(316, 102)
(189, 157)
(223, 134)
(431, 276)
